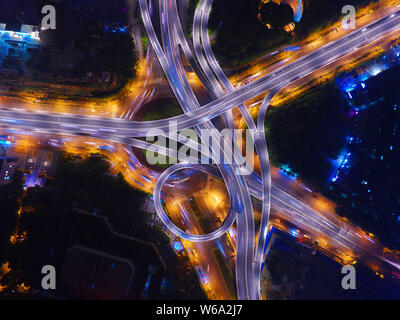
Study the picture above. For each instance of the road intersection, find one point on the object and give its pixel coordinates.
(250, 252)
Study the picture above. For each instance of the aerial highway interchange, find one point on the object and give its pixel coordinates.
(251, 240)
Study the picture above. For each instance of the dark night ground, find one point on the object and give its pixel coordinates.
(301, 275)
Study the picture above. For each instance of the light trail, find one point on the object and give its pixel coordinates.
(249, 256)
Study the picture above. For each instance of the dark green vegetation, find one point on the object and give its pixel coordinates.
(226, 272)
(319, 14)
(61, 214)
(77, 53)
(84, 205)
(86, 184)
(277, 15)
(191, 8)
(159, 109)
(204, 224)
(125, 58)
(242, 37)
(155, 110)
(308, 133)
(296, 272)
(120, 57)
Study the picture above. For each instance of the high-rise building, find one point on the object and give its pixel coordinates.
(7, 170)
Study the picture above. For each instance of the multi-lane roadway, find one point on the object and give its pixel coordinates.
(225, 98)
